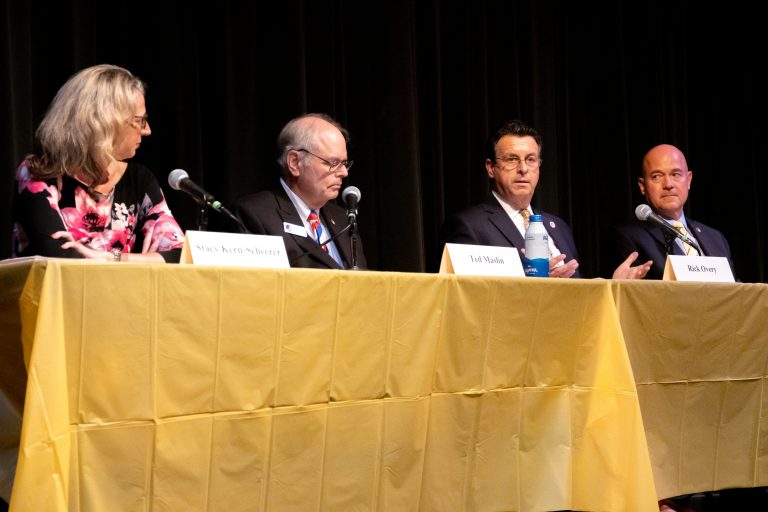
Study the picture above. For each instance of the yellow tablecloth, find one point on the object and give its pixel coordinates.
(168, 387)
(699, 353)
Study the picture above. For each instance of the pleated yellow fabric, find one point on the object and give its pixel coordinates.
(173, 387)
(700, 369)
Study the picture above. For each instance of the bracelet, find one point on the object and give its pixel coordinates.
(116, 254)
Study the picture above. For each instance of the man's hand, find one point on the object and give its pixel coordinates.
(565, 270)
(626, 271)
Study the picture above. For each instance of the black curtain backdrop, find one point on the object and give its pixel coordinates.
(419, 85)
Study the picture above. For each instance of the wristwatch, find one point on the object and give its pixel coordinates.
(116, 254)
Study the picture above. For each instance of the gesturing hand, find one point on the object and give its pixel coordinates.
(626, 271)
(83, 249)
(565, 270)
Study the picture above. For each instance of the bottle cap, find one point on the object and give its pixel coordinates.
(536, 217)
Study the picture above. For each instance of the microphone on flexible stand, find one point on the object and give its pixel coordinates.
(351, 196)
(646, 214)
(178, 179)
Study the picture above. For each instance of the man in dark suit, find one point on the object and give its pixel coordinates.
(513, 160)
(665, 183)
(313, 161)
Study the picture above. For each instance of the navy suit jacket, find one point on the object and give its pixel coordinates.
(488, 224)
(648, 240)
(266, 212)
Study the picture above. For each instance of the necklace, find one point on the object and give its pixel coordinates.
(98, 196)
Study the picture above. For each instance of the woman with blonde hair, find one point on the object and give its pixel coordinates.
(79, 197)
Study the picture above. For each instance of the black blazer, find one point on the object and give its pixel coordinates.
(266, 212)
(648, 240)
(488, 224)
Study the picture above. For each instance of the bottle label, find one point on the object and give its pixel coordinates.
(537, 267)
(537, 245)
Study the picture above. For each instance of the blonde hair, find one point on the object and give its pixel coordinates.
(83, 122)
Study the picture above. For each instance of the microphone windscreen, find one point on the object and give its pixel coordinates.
(643, 211)
(351, 191)
(174, 179)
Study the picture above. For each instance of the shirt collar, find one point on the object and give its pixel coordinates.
(298, 203)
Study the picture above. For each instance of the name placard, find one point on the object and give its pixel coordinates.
(234, 250)
(698, 268)
(481, 260)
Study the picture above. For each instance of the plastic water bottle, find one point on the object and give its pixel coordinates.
(536, 260)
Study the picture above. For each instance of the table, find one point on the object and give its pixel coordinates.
(172, 387)
(699, 353)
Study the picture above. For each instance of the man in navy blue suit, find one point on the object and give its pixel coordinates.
(513, 162)
(665, 183)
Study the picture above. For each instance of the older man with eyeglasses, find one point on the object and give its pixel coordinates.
(513, 162)
(313, 161)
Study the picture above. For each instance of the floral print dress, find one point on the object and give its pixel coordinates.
(133, 218)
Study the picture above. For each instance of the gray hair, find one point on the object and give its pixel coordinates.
(297, 134)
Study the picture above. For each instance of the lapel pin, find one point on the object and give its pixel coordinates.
(698, 229)
(552, 224)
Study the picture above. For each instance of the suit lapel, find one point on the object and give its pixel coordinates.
(503, 223)
(658, 234)
(551, 226)
(289, 214)
(699, 235)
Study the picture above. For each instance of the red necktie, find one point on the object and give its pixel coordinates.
(317, 228)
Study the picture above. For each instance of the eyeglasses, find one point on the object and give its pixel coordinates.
(512, 162)
(141, 121)
(332, 164)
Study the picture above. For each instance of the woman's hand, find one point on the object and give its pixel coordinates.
(83, 249)
(93, 254)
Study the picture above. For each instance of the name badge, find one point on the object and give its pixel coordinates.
(698, 268)
(234, 250)
(293, 229)
(481, 260)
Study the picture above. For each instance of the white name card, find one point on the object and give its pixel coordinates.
(234, 250)
(481, 260)
(698, 268)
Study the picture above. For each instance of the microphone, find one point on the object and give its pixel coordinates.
(178, 179)
(644, 213)
(351, 196)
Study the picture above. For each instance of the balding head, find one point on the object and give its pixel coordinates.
(663, 153)
(666, 180)
(313, 158)
(302, 131)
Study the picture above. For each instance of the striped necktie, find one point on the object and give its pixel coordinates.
(317, 228)
(689, 250)
(526, 217)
